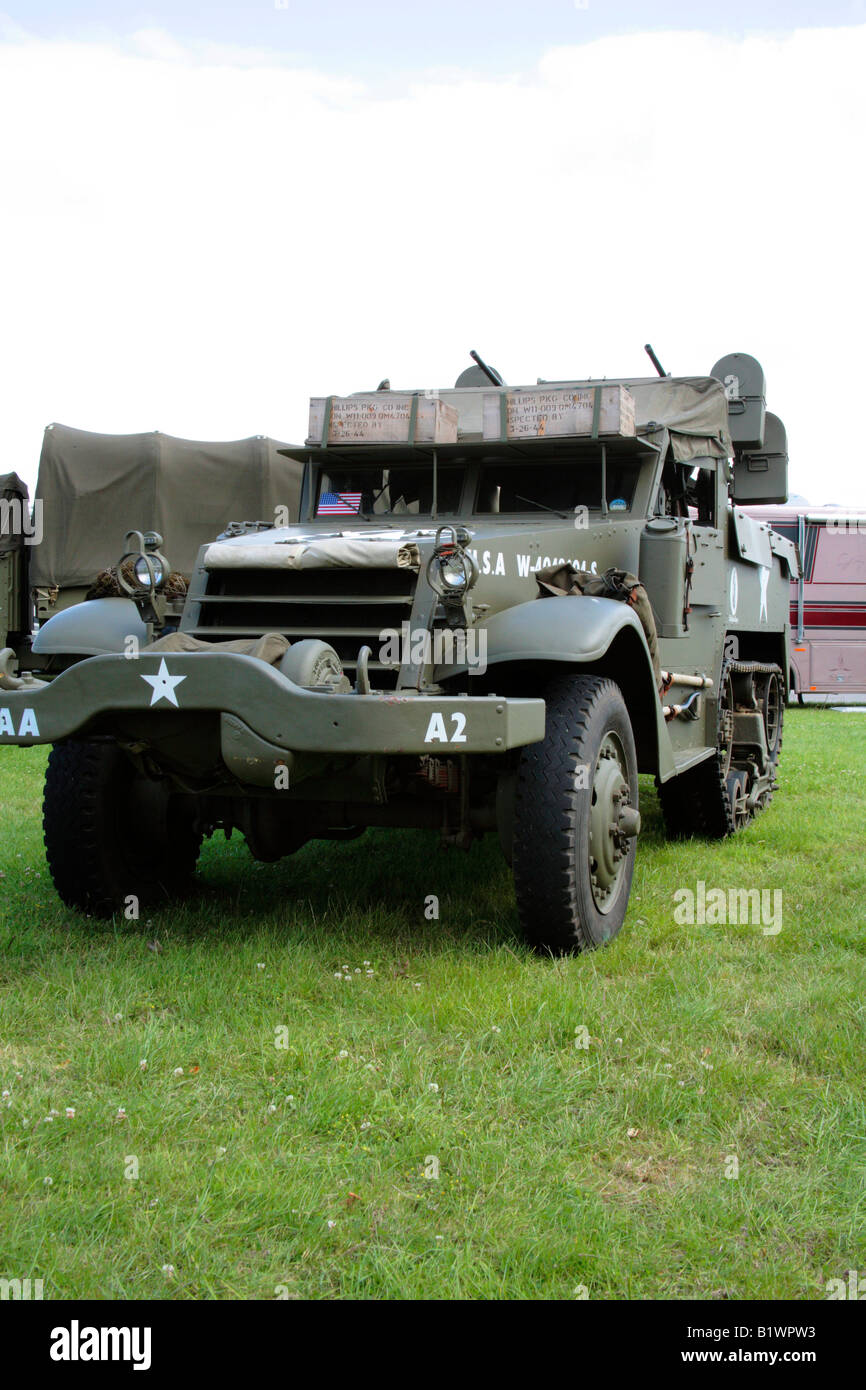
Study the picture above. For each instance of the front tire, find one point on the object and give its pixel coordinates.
(576, 819)
(112, 834)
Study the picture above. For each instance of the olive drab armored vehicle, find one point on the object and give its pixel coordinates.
(497, 607)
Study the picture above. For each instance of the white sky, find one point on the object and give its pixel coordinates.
(197, 242)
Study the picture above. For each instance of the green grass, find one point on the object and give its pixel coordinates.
(558, 1166)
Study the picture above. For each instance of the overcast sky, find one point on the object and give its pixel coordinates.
(211, 212)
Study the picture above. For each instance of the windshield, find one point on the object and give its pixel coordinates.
(373, 490)
(507, 485)
(556, 487)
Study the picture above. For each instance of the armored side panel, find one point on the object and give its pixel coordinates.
(663, 555)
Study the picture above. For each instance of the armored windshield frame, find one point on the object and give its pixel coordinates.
(473, 452)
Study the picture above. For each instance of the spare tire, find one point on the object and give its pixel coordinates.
(314, 663)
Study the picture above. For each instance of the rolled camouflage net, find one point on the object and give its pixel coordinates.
(107, 585)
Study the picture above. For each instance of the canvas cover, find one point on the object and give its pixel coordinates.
(331, 552)
(271, 648)
(693, 409)
(11, 489)
(96, 487)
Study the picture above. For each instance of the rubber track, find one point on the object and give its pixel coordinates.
(697, 802)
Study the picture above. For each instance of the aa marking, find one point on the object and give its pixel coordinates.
(28, 726)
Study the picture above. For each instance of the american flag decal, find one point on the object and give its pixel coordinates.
(339, 504)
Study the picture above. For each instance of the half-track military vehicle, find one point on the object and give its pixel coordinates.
(497, 607)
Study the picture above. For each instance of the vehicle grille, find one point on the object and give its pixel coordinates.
(346, 607)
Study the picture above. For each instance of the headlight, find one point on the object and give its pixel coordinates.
(142, 570)
(451, 570)
(148, 572)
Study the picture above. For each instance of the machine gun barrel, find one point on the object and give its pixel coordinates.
(489, 372)
(656, 363)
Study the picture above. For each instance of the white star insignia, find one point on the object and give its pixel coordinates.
(163, 685)
(765, 579)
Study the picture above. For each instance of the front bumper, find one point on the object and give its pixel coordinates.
(274, 709)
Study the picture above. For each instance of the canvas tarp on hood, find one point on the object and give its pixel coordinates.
(96, 487)
(326, 552)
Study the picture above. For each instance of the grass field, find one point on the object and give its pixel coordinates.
(430, 1127)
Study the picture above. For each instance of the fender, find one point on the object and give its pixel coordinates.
(580, 630)
(97, 627)
(572, 628)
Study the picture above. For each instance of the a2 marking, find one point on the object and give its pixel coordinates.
(437, 732)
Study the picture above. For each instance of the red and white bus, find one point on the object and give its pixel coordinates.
(828, 601)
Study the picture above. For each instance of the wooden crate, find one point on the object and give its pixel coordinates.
(383, 417)
(542, 412)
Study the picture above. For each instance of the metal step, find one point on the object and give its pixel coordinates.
(691, 757)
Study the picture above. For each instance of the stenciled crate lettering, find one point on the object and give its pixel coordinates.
(536, 414)
(383, 417)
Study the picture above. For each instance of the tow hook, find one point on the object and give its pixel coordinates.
(362, 673)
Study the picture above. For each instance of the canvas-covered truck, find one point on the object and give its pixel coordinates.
(60, 548)
(185, 490)
(498, 607)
